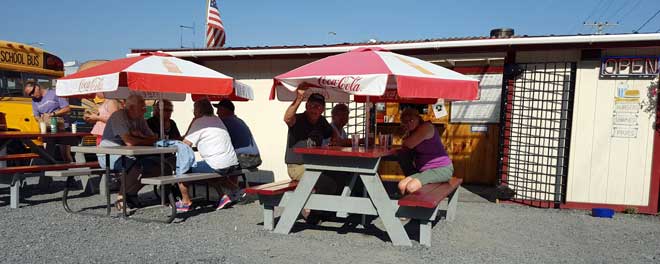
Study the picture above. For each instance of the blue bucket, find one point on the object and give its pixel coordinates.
(602, 212)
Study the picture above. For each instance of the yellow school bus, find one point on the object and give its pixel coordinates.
(18, 64)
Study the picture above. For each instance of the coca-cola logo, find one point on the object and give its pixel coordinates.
(91, 85)
(345, 83)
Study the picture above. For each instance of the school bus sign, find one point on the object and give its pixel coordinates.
(18, 57)
(629, 67)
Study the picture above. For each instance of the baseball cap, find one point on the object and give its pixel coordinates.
(316, 97)
(227, 104)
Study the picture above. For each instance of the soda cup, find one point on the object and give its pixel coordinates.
(355, 141)
(74, 128)
(53, 125)
(42, 127)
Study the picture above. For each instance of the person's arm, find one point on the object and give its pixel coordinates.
(138, 139)
(185, 141)
(113, 106)
(176, 135)
(290, 114)
(423, 132)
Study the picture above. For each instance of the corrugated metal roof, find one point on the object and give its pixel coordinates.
(401, 45)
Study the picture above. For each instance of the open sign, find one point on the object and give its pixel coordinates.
(629, 67)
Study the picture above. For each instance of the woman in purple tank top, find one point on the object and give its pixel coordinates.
(431, 162)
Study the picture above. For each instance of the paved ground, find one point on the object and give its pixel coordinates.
(484, 232)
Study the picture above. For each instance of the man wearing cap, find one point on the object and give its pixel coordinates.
(306, 128)
(241, 137)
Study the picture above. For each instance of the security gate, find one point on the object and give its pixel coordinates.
(537, 104)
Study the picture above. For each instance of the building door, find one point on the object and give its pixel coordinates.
(537, 103)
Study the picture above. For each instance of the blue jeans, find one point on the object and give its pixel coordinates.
(203, 167)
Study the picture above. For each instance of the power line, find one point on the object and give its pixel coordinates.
(647, 21)
(623, 5)
(609, 4)
(593, 12)
(630, 10)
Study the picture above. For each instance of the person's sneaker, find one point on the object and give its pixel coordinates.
(238, 195)
(182, 207)
(224, 202)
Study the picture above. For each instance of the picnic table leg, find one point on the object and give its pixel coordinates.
(425, 232)
(297, 201)
(106, 182)
(268, 217)
(123, 187)
(386, 209)
(347, 192)
(15, 191)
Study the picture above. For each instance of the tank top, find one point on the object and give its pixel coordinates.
(431, 154)
(99, 126)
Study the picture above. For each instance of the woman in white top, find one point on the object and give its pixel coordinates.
(210, 136)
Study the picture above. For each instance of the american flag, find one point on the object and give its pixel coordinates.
(215, 31)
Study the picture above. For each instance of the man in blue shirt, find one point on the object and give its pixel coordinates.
(46, 104)
(241, 137)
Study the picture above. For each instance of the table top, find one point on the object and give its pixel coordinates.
(361, 152)
(125, 150)
(21, 134)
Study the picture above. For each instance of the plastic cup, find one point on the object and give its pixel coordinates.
(355, 140)
(74, 128)
(43, 127)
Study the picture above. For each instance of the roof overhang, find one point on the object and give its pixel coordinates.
(579, 41)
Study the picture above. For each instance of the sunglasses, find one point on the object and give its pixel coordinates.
(32, 92)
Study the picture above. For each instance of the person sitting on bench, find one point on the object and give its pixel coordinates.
(423, 148)
(127, 127)
(210, 136)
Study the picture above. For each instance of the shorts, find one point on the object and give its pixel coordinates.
(441, 174)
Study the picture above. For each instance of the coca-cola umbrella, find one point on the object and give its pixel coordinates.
(154, 76)
(378, 75)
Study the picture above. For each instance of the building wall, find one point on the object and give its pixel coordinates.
(604, 169)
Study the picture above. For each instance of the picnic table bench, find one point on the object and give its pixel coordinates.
(424, 204)
(20, 156)
(19, 173)
(271, 195)
(162, 181)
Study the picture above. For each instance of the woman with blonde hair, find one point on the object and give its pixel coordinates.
(99, 119)
(431, 162)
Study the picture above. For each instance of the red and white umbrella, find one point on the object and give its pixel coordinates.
(376, 73)
(155, 76)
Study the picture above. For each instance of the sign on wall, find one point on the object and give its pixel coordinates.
(629, 67)
(484, 110)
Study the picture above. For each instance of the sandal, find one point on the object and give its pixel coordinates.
(119, 204)
(132, 201)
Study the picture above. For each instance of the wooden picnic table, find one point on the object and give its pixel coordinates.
(122, 151)
(360, 162)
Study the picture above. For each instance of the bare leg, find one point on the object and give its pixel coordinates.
(185, 196)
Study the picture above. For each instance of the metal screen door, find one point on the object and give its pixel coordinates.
(537, 103)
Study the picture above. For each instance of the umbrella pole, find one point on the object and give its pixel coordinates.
(162, 132)
(368, 119)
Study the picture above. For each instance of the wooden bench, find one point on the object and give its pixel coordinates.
(21, 156)
(424, 204)
(271, 195)
(19, 173)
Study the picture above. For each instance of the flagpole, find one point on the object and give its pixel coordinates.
(206, 21)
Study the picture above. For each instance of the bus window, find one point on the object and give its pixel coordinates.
(14, 84)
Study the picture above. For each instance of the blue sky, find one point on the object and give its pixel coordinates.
(93, 29)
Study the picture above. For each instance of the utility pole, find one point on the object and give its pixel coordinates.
(600, 26)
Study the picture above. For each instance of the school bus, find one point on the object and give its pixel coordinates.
(18, 64)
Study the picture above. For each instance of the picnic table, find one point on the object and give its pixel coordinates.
(122, 151)
(27, 137)
(18, 173)
(360, 162)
